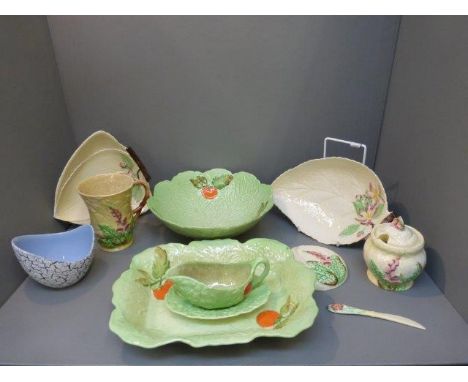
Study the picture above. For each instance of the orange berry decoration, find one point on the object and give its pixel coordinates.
(209, 192)
(268, 318)
(161, 292)
(209, 188)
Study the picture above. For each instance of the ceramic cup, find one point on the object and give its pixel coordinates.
(215, 285)
(108, 198)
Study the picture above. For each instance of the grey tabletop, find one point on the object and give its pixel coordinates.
(39, 325)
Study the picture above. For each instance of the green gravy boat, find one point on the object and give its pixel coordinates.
(216, 285)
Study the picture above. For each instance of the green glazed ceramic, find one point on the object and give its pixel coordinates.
(255, 299)
(211, 285)
(141, 319)
(330, 269)
(210, 205)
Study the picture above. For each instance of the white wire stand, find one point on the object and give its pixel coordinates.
(355, 145)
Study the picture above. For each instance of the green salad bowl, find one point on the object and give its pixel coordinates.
(210, 205)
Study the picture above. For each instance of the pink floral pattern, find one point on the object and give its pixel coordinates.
(122, 222)
(336, 307)
(398, 223)
(389, 272)
(325, 260)
(368, 207)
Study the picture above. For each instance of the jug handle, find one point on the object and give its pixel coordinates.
(140, 183)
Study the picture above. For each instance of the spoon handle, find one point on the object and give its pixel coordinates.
(346, 309)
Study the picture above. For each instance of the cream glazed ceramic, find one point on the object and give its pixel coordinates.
(346, 309)
(330, 269)
(108, 199)
(97, 141)
(70, 207)
(394, 255)
(333, 200)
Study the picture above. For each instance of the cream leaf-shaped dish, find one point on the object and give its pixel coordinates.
(333, 200)
(97, 141)
(141, 319)
(69, 204)
(213, 204)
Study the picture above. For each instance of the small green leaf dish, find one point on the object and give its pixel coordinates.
(213, 204)
(142, 320)
(255, 299)
(330, 269)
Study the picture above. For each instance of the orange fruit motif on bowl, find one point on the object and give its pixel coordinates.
(161, 292)
(209, 192)
(209, 188)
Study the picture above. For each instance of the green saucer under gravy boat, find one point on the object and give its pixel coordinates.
(211, 285)
(254, 300)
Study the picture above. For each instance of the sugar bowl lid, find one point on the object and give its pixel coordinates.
(398, 236)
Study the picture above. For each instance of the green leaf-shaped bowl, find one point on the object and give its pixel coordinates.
(142, 320)
(213, 204)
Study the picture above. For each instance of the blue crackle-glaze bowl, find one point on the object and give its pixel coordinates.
(56, 260)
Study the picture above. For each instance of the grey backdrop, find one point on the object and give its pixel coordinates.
(36, 137)
(423, 152)
(244, 93)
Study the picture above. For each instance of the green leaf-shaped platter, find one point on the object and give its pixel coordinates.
(142, 320)
(213, 204)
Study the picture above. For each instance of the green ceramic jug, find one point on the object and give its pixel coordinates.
(216, 285)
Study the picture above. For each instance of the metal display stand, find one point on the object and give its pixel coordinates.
(352, 144)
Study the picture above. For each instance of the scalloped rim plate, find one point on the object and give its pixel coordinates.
(333, 200)
(141, 320)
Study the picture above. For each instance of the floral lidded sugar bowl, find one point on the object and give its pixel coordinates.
(394, 255)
